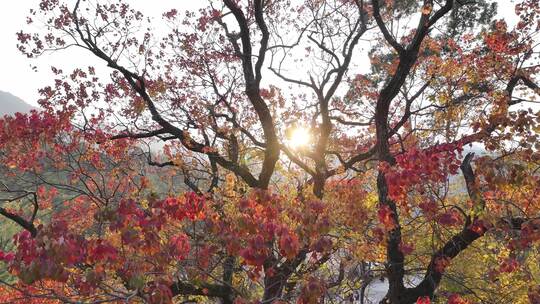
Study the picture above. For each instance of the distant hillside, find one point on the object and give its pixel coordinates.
(10, 104)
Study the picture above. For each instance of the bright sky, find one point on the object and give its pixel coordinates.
(17, 76)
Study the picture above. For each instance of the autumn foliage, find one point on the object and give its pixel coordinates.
(168, 172)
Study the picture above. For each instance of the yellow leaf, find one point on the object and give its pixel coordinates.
(426, 10)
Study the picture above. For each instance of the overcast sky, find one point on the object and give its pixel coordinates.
(17, 76)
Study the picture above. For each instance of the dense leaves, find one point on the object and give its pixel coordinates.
(173, 170)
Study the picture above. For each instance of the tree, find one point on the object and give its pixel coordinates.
(383, 186)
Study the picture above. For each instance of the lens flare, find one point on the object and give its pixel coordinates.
(299, 138)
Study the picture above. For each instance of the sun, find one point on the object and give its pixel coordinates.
(299, 137)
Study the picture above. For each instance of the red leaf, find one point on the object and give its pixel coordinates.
(423, 300)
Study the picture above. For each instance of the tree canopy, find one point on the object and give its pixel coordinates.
(277, 151)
